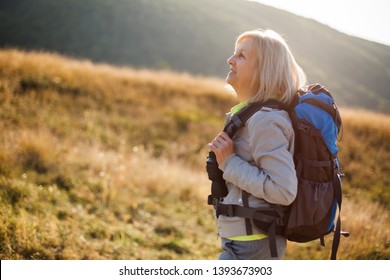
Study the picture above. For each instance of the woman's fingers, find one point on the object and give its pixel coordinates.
(218, 142)
(222, 146)
(225, 137)
(222, 138)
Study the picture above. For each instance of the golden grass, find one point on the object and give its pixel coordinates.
(364, 152)
(98, 162)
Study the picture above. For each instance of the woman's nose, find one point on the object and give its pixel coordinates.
(230, 60)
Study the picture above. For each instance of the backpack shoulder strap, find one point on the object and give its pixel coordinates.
(239, 119)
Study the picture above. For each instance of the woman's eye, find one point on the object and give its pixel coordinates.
(239, 55)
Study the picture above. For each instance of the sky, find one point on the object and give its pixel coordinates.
(367, 19)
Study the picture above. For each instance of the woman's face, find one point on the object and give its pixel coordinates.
(243, 65)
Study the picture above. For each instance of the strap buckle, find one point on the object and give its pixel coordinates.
(210, 200)
(224, 209)
(338, 168)
(232, 127)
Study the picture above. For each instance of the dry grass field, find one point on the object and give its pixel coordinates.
(98, 162)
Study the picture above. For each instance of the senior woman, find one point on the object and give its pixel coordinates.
(259, 159)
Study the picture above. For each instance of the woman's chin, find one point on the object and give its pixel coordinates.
(229, 80)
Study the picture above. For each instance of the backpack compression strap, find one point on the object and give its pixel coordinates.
(331, 110)
(327, 108)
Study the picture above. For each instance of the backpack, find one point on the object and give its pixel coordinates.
(315, 212)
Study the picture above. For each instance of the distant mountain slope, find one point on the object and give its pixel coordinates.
(196, 36)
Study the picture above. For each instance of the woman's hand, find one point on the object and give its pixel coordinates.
(222, 146)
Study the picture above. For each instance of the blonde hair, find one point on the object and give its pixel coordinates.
(278, 74)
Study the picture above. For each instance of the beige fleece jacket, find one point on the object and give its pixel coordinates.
(262, 165)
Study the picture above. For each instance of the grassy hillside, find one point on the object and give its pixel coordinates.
(196, 37)
(98, 162)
